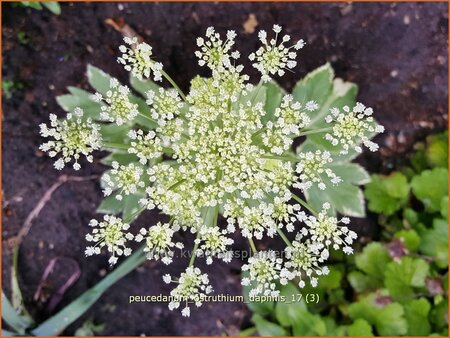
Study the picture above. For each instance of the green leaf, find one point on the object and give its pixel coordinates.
(430, 187)
(344, 198)
(410, 239)
(17, 299)
(143, 86)
(437, 150)
(120, 157)
(274, 95)
(287, 312)
(361, 282)
(387, 194)
(360, 327)
(416, 313)
(309, 325)
(52, 7)
(316, 85)
(266, 328)
(12, 318)
(56, 324)
(444, 207)
(89, 329)
(131, 207)
(98, 79)
(350, 172)
(32, 4)
(110, 205)
(112, 133)
(373, 261)
(79, 98)
(435, 242)
(402, 277)
(388, 319)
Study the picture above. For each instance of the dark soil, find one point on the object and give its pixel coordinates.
(396, 53)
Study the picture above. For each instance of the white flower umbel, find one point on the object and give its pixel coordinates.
(222, 148)
(192, 287)
(159, 242)
(137, 59)
(264, 270)
(350, 128)
(127, 179)
(304, 259)
(117, 106)
(291, 116)
(166, 104)
(213, 243)
(312, 169)
(72, 137)
(325, 229)
(214, 52)
(145, 146)
(272, 59)
(110, 233)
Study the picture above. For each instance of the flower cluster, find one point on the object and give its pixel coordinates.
(352, 127)
(72, 137)
(138, 61)
(192, 287)
(117, 107)
(159, 242)
(219, 149)
(124, 178)
(272, 58)
(110, 233)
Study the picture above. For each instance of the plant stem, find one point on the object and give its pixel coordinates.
(115, 145)
(172, 82)
(283, 236)
(258, 87)
(314, 131)
(194, 250)
(303, 203)
(148, 118)
(252, 245)
(282, 158)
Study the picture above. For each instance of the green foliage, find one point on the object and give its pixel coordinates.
(9, 87)
(385, 290)
(346, 197)
(52, 6)
(387, 194)
(430, 187)
(402, 278)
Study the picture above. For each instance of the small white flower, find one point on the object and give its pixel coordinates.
(326, 230)
(192, 287)
(127, 179)
(312, 169)
(138, 61)
(350, 128)
(291, 117)
(304, 258)
(146, 147)
(117, 107)
(159, 242)
(214, 51)
(272, 59)
(72, 137)
(112, 234)
(214, 243)
(264, 270)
